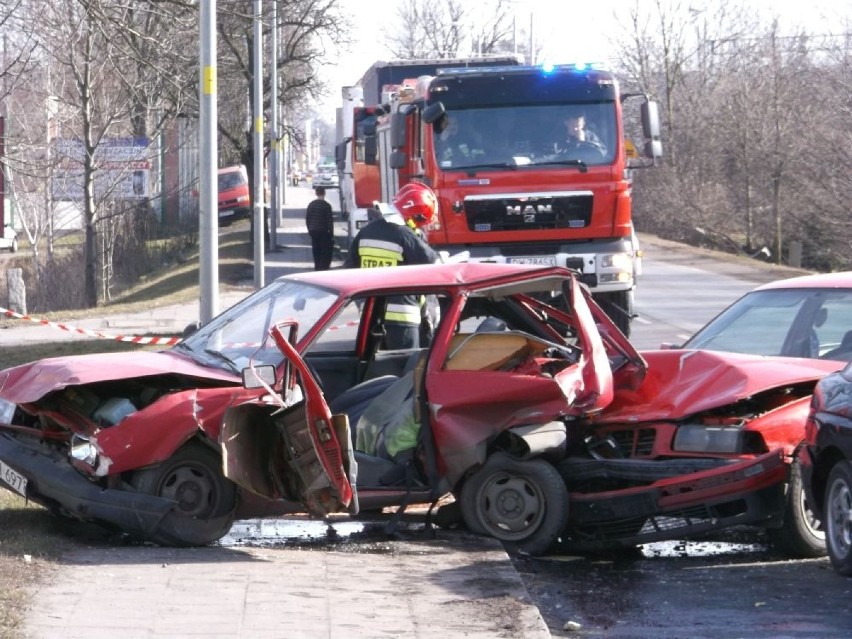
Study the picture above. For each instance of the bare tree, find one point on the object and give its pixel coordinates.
(452, 29)
(306, 28)
(751, 118)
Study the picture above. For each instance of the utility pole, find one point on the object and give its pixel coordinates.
(275, 172)
(257, 82)
(208, 213)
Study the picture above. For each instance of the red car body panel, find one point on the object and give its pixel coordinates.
(186, 413)
(29, 382)
(680, 383)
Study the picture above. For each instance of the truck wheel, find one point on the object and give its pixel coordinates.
(838, 517)
(204, 499)
(801, 534)
(524, 504)
(618, 306)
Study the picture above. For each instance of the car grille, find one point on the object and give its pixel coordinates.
(528, 213)
(635, 443)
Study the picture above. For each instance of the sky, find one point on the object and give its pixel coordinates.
(566, 30)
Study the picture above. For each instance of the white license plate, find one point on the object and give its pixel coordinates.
(227, 213)
(538, 261)
(15, 479)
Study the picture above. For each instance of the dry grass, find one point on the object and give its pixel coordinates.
(32, 540)
(174, 284)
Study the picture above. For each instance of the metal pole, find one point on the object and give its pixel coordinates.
(275, 174)
(257, 83)
(208, 212)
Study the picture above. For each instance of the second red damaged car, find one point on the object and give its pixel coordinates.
(544, 424)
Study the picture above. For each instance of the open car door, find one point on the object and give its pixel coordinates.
(285, 443)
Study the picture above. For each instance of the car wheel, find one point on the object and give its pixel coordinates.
(204, 499)
(14, 247)
(801, 534)
(524, 504)
(838, 517)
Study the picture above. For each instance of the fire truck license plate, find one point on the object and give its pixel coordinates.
(538, 261)
(15, 479)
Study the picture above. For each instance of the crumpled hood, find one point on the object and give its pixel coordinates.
(680, 383)
(30, 382)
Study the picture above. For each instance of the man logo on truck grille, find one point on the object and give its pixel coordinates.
(528, 210)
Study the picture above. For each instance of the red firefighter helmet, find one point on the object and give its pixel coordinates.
(417, 203)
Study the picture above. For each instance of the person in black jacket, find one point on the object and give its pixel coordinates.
(319, 219)
(386, 243)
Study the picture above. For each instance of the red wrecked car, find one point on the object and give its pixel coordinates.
(505, 406)
(699, 409)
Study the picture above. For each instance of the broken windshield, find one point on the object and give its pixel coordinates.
(241, 333)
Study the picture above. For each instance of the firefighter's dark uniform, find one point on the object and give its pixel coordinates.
(384, 243)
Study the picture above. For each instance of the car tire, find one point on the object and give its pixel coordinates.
(838, 517)
(524, 504)
(193, 479)
(14, 247)
(800, 534)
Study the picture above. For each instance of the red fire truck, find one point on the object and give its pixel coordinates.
(515, 181)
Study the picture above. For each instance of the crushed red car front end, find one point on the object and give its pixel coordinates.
(704, 443)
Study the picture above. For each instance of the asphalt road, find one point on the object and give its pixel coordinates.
(691, 590)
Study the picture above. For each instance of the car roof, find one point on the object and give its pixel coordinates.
(476, 274)
(841, 279)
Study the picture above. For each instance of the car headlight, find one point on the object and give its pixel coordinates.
(709, 439)
(83, 450)
(620, 261)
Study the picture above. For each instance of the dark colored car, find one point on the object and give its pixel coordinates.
(827, 465)
(512, 406)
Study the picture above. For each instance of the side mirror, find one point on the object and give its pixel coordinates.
(650, 111)
(398, 131)
(258, 376)
(398, 160)
(340, 154)
(433, 113)
(371, 150)
(190, 328)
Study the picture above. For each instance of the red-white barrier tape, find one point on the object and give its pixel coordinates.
(84, 331)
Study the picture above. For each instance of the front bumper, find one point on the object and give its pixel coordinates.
(53, 483)
(681, 505)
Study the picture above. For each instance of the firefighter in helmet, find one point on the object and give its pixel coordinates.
(384, 242)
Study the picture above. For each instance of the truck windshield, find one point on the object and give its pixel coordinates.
(581, 135)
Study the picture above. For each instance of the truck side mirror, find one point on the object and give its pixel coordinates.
(398, 131)
(433, 113)
(371, 150)
(340, 154)
(650, 111)
(398, 160)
